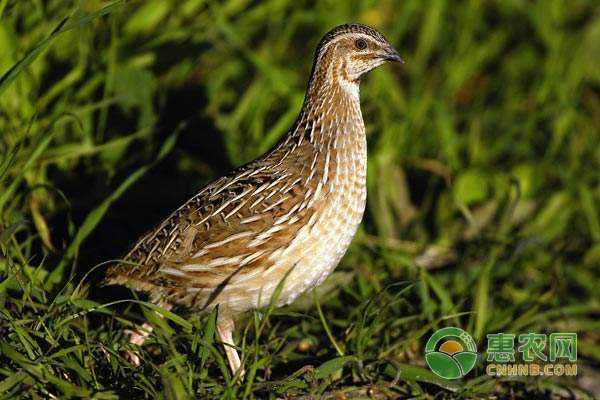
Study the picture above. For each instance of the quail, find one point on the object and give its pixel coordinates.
(287, 217)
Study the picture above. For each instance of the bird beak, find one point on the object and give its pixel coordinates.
(392, 55)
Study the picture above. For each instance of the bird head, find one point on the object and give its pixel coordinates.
(348, 52)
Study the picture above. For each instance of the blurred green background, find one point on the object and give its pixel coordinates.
(484, 152)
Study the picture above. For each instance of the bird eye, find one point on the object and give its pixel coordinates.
(360, 44)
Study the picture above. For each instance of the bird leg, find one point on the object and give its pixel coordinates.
(225, 328)
(138, 336)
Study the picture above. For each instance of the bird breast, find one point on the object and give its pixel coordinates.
(320, 245)
(339, 202)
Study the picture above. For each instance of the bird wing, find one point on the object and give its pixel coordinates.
(233, 225)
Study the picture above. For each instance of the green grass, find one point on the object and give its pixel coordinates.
(483, 208)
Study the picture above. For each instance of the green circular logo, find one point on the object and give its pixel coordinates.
(451, 353)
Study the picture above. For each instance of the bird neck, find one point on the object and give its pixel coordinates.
(327, 144)
(331, 109)
(329, 126)
(330, 81)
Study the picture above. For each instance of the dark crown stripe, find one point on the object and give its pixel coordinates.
(349, 28)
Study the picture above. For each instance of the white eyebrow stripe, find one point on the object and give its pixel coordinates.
(340, 37)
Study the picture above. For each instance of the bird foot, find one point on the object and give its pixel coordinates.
(132, 358)
(138, 336)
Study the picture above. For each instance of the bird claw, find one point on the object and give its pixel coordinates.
(137, 337)
(132, 358)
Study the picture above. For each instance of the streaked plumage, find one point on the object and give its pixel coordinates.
(290, 212)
